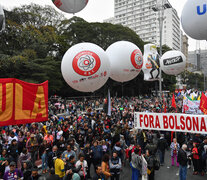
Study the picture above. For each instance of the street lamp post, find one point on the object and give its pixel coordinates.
(160, 9)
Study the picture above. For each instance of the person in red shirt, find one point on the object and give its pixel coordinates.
(195, 159)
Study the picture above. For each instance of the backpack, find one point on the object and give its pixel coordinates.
(156, 164)
(204, 155)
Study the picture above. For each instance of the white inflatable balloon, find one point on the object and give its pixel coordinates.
(85, 67)
(151, 63)
(70, 6)
(2, 19)
(194, 18)
(126, 60)
(173, 62)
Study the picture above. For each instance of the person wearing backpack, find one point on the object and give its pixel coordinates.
(202, 151)
(136, 164)
(150, 165)
(162, 146)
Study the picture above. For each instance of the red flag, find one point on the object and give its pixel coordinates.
(173, 102)
(165, 110)
(203, 104)
(173, 105)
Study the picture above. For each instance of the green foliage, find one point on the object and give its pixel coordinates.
(193, 80)
(36, 38)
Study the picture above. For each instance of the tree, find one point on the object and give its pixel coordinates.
(193, 80)
(28, 45)
(36, 38)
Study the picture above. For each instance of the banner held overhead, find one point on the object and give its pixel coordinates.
(22, 102)
(171, 122)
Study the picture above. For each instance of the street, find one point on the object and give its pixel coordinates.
(166, 172)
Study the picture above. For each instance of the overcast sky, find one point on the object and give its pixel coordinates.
(98, 10)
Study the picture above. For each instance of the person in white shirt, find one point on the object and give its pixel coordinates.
(12, 137)
(59, 133)
(83, 171)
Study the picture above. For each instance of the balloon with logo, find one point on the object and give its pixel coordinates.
(70, 6)
(173, 62)
(193, 19)
(151, 63)
(85, 67)
(126, 61)
(2, 19)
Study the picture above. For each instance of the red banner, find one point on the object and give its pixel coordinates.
(22, 102)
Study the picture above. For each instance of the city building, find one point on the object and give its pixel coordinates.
(140, 17)
(184, 46)
(110, 20)
(197, 61)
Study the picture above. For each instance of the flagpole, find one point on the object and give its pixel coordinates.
(109, 103)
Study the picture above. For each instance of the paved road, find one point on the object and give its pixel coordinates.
(166, 172)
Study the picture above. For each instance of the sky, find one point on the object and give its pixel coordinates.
(97, 11)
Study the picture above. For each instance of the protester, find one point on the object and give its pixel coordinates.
(105, 166)
(150, 165)
(162, 146)
(174, 151)
(66, 154)
(136, 164)
(182, 160)
(98, 174)
(115, 166)
(195, 159)
(84, 166)
(59, 166)
(52, 175)
(35, 175)
(91, 133)
(96, 151)
(32, 146)
(13, 173)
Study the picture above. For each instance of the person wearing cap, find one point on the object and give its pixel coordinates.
(32, 146)
(13, 173)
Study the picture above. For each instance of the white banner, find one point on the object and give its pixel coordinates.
(191, 107)
(144, 169)
(171, 122)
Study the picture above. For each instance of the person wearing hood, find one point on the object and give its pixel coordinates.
(136, 164)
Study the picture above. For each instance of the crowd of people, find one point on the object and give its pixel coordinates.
(86, 143)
